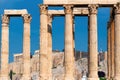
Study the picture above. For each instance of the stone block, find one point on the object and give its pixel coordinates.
(15, 12)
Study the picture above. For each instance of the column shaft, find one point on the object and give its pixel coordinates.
(93, 49)
(4, 48)
(44, 44)
(112, 50)
(69, 55)
(117, 42)
(50, 46)
(26, 47)
(108, 54)
(74, 52)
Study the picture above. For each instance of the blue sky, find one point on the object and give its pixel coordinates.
(81, 27)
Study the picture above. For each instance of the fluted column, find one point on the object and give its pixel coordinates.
(117, 42)
(26, 47)
(50, 46)
(109, 52)
(93, 47)
(4, 48)
(74, 38)
(69, 55)
(112, 50)
(44, 43)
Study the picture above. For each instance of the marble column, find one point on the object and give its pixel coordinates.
(93, 47)
(5, 48)
(69, 48)
(26, 47)
(50, 46)
(109, 53)
(112, 49)
(74, 38)
(44, 43)
(117, 42)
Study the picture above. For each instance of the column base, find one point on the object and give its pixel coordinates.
(93, 79)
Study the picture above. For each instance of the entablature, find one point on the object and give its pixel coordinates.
(76, 11)
(15, 12)
(81, 2)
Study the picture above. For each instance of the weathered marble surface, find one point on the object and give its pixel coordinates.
(76, 11)
(82, 2)
(15, 12)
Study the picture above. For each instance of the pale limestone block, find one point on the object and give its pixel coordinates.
(82, 2)
(15, 12)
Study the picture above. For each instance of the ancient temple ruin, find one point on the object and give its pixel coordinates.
(5, 43)
(71, 9)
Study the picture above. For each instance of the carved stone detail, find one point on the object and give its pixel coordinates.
(27, 18)
(93, 8)
(43, 9)
(117, 8)
(68, 9)
(5, 19)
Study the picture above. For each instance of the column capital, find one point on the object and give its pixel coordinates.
(117, 8)
(68, 9)
(5, 19)
(43, 9)
(93, 8)
(27, 18)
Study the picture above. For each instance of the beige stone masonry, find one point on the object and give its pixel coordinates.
(44, 43)
(15, 12)
(109, 52)
(50, 17)
(5, 43)
(69, 47)
(26, 47)
(117, 42)
(80, 2)
(76, 11)
(93, 46)
(4, 48)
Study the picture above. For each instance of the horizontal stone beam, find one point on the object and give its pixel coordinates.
(18, 54)
(15, 12)
(80, 2)
(76, 11)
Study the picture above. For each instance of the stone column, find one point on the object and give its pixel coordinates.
(109, 53)
(112, 50)
(117, 42)
(69, 55)
(50, 46)
(4, 48)
(74, 38)
(44, 43)
(93, 47)
(37, 67)
(26, 47)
